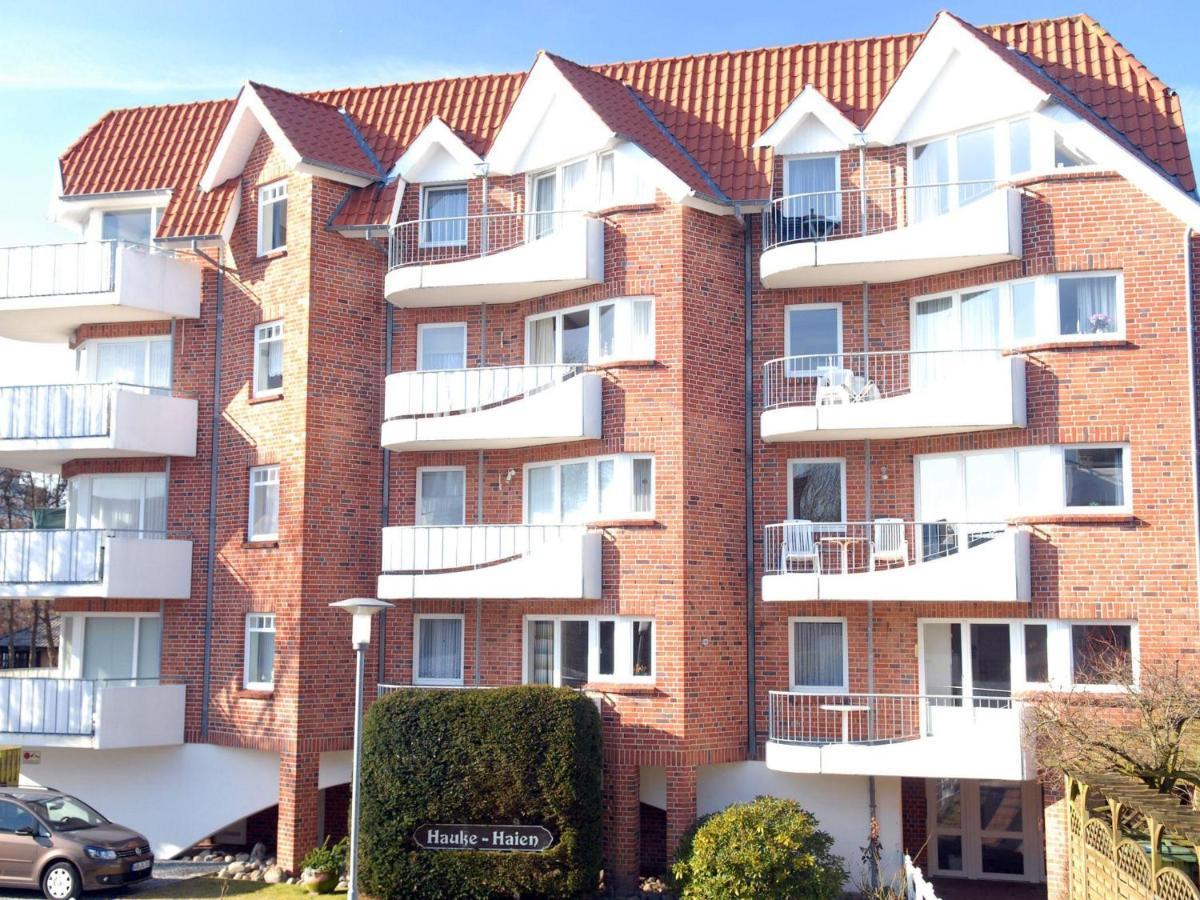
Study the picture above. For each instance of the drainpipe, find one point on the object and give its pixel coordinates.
(1188, 282)
(385, 499)
(872, 807)
(479, 464)
(215, 426)
(748, 465)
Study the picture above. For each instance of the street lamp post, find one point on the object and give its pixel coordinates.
(362, 609)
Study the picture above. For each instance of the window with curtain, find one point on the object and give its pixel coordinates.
(935, 328)
(976, 152)
(579, 490)
(929, 194)
(439, 650)
(573, 651)
(441, 496)
(819, 655)
(613, 329)
(816, 491)
(268, 359)
(812, 188)
(140, 363)
(812, 338)
(260, 652)
(541, 503)
(1023, 309)
(108, 647)
(545, 190)
(643, 648)
(264, 503)
(134, 503)
(541, 652)
(117, 502)
(444, 216)
(272, 218)
(1088, 305)
(576, 186)
(442, 347)
(608, 179)
(129, 225)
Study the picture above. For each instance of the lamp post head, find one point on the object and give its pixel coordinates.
(362, 609)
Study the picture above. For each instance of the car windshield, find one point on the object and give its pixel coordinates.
(67, 814)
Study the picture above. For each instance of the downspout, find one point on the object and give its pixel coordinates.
(385, 499)
(1188, 282)
(215, 425)
(479, 473)
(748, 465)
(872, 805)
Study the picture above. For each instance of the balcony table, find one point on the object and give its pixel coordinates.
(843, 543)
(845, 709)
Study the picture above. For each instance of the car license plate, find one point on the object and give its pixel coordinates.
(141, 865)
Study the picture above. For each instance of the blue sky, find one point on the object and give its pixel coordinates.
(65, 62)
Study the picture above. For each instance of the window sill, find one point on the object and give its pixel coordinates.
(624, 523)
(647, 206)
(264, 398)
(273, 254)
(261, 545)
(622, 364)
(1091, 343)
(1116, 517)
(625, 689)
(255, 694)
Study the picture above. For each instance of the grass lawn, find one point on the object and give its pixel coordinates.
(215, 887)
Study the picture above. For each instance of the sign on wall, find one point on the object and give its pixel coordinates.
(508, 838)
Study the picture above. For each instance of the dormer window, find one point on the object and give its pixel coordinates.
(132, 226)
(272, 218)
(444, 215)
(811, 183)
(563, 189)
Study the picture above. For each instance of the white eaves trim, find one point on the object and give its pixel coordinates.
(809, 124)
(249, 119)
(951, 82)
(437, 154)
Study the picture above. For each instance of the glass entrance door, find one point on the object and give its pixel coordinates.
(984, 829)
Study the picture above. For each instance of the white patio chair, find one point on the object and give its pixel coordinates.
(798, 544)
(833, 385)
(888, 542)
(862, 389)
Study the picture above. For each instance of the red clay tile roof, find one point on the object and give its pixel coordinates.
(713, 105)
(317, 131)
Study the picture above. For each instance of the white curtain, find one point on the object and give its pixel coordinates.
(817, 654)
(122, 361)
(108, 647)
(540, 495)
(1087, 305)
(117, 503)
(574, 493)
(980, 320)
(160, 364)
(442, 497)
(608, 328)
(447, 208)
(606, 484)
(441, 650)
(930, 195)
(813, 188)
(933, 329)
(541, 341)
(641, 329)
(575, 186)
(543, 205)
(541, 652)
(443, 347)
(643, 485)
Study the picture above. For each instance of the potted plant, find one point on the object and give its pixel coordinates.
(322, 867)
(1101, 322)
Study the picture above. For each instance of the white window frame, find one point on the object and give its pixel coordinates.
(421, 470)
(250, 508)
(971, 834)
(71, 655)
(435, 188)
(1059, 656)
(74, 495)
(262, 335)
(623, 315)
(91, 353)
(1045, 309)
(268, 195)
(844, 688)
(837, 178)
(622, 475)
(462, 658)
(793, 372)
(1060, 506)
(423, 327)
(839, 461)
(247, 684)
(622, 648)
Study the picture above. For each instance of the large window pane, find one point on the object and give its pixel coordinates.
(999, 807)
(542, 508)
(814, 198)
(443, 347)
(108, 647)
(1094, 476)
(818, 655)
(117, 503)
(442, 497)
(1019, 154)
(1088, 305)
(610, 500)
(817, 492)
(445, 215)
(948, 798)
(1002, 856)
(643, 485)
(543, 205)
(131, 225)
(121, 361)
(1037, 655)
(816, 335)
(575, 504)
(643, 649)
(541, 342)
(576, 335)
(574, 654)
(149, 646)
(440, 644)
(607, 650)
(980, 320)
(1024, 311)
(930, 194)
(976, 164)
(1101, 654)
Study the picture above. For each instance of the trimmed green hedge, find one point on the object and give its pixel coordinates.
(520, 755)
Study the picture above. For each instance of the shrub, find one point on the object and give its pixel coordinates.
(766, 848)
(521, 755)
(328, 859)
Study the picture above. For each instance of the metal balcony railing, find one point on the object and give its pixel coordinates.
(833, 215)
(61, 411)
(419, 549)
(420, 242)
(802, 718)
(446, 391)
(55, 706)
(60, 555)
(843, 378)
(47, 270)
(848, 548)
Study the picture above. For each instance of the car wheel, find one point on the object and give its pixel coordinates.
(61, 882)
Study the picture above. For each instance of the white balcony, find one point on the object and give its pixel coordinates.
(517, 562)
(890, 559)
(888, 234)
(49, 290)
(496, 258)
(853, 396)
(94, 563)
(898, 735)
(490, 408)
(90, 713)
(44, 426)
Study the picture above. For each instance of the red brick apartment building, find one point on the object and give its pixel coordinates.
(808, 406)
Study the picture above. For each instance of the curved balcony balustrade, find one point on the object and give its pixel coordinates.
(892, 394)
(490, 407)
(494, 258)
(888, 233)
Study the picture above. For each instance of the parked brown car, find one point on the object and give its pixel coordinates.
(51, 840)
